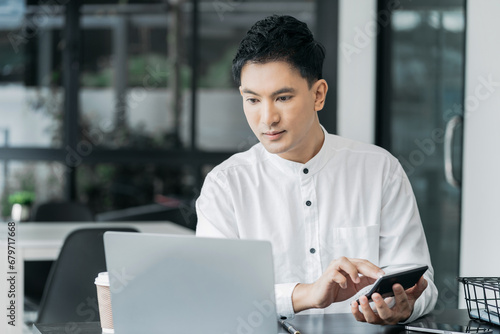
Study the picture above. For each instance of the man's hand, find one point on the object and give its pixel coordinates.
(339, 282)
(402, 309)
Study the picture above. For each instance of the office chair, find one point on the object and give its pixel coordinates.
(70, 293)
(36, 272)
(62, 212)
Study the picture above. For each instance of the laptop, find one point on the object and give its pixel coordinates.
(187, 284)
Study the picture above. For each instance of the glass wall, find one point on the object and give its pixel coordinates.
(423, 69)
(129, 103)
(30, 100)
(131, 68)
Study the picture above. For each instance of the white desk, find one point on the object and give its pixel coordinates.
(43, 241)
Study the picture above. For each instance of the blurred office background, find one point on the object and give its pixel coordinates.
(124, 106)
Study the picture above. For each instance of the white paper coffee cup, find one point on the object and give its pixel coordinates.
(104, 301)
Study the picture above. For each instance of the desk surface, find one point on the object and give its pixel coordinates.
(306, 324)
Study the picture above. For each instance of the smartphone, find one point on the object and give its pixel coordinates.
(407, 278)
(447, 329)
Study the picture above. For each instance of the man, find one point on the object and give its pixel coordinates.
(335, 210)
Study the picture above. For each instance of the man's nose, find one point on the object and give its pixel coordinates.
(269, 114)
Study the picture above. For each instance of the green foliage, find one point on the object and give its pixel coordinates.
(148, 70)
(6, 206)
(103, 78)
(22, 197)
(21, 189)
(219, 74)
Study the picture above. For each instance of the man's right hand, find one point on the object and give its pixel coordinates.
(339, 282)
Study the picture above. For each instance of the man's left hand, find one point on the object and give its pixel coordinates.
(402, 309)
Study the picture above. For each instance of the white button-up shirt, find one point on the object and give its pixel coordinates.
(351, 199)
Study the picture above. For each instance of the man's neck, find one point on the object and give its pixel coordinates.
(310, 151)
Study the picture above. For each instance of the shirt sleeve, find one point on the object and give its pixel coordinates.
(284, 306)
(214, 209)
(402, 238)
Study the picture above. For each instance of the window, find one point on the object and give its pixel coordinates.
(121, 103)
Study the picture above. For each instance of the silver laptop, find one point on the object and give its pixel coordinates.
(186, 284)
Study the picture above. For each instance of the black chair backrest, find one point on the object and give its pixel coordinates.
(36, 272)
(70, 294)
(62, 212)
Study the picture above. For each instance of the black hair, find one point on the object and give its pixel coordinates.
(281, 38)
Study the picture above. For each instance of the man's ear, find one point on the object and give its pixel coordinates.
(320, 88)
(241, 91)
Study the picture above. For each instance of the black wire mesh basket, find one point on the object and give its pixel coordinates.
(482, 296)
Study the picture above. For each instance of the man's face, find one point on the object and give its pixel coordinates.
(281, 109)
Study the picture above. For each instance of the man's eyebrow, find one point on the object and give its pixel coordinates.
(278, 92)
(284, 90)
(248, 91)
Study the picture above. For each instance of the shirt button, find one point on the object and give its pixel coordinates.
(308, 203)
(312, 250)
(306, 170)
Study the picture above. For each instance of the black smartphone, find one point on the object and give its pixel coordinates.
(407, 278)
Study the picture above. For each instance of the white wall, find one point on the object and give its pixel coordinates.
(356, 69)
(480, 244)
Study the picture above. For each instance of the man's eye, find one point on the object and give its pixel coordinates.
(284, 98)
(252, 101)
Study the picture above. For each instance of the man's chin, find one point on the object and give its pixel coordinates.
(274, 149)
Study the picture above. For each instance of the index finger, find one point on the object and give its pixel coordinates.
(344, 264)
(367, 268)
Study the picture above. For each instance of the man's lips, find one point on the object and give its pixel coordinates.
(273, 135)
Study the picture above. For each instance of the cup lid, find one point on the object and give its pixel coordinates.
(102, 279)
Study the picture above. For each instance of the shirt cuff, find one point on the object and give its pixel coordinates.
(284, 306)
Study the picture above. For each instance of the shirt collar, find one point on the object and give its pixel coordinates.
(314, 165)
